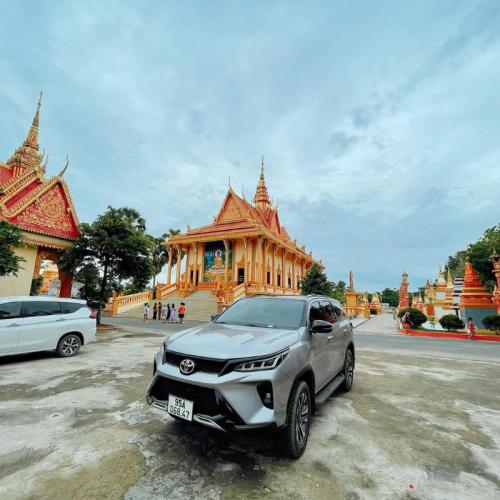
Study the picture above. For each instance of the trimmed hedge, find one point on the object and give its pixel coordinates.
(492, 322)
(417, 318)
(451, 323)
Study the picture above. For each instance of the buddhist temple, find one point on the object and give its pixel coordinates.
(475, 302)
(450, 288)
(429, 300)
(375, 304)
(41, 207)
(404, 297)
(245, 251)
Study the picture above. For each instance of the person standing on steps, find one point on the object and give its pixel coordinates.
(145, 313)
(173, 314)
(155, 310)
(182, 312)
(160, 310)
(167, 313)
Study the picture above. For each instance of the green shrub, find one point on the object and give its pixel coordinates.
(417, 318)
(451, 323)
(492, 322)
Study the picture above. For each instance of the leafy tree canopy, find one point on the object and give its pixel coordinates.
(10, 237)
(479, 254)
(315, 281)
(116, 245)
(390, 296)
(159, 252)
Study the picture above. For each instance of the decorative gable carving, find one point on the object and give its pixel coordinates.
(50, 213)
(230, 211)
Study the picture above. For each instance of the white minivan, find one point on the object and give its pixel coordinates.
(29, 324)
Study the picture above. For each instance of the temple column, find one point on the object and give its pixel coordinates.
(264, 266)
(195, 267)
(202, 263)
(226, 259)
(258, 261)
(169, 268)
(294, 278)
(283, 271)
(66, 284)
(245, 256)
(188, 275)
(178, 265)
(274, 270)
(235, 261)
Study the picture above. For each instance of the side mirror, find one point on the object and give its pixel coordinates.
(320, 326)
(214, 317)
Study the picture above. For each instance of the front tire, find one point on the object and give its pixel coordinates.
(69, 345)
(348, 371)
(296, 432)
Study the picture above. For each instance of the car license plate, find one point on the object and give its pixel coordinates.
(179, 407)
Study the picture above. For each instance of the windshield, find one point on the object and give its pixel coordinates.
(265, 312)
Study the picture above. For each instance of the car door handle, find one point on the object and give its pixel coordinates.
(346, 330)
(61, 319)
(12, 325)
(330, 337)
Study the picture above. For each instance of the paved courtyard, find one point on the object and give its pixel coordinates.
(422, 421)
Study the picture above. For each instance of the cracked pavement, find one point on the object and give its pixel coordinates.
(415, 425)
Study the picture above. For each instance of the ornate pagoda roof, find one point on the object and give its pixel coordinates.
(238, 218)
(30, 200)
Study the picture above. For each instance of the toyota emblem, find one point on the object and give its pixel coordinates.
(187, 366)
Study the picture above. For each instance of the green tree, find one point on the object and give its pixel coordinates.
(315, 281)
(451, 322)
(337, 291)
(456, 263)
(390, 296)
(417, 318)
(117, 245)
(159, 253)
(10, 237)
(479, 254)
(492, 323)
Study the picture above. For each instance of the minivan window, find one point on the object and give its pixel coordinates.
(265, 313)
(40, 308)
(10, 310)
(71, 307)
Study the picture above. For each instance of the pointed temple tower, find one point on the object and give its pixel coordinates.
(352, 306)
(440, 293)
(475, 302)
(404, 297)
(429, 300)
(41, 207)
(448, 302)
(245, 251)
(375, 304)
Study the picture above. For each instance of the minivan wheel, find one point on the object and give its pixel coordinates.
(348, 371)
(69, 345)
(295, 434)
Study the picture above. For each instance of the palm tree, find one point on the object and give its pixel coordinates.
(160, 252)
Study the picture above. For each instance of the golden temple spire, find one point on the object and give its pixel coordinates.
(27, 157)
(261, 199)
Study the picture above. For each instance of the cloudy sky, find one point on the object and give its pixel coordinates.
(379, 121)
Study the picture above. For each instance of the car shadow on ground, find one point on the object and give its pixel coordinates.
(29, 356)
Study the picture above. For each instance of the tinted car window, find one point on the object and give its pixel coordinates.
(329, 312)
(36, 308)
(71, 307)
(10, 310)
(265, 312)
(338, 312)
(315, 312)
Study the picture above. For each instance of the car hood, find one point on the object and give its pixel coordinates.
(220, 341)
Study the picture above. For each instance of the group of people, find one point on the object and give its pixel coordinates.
(167, 313)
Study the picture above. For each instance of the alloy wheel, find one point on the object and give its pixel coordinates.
(349, 370)
(70, 345)
(302, 419)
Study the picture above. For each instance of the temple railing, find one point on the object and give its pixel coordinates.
(163, 290)
(121, 303)
(258, 288)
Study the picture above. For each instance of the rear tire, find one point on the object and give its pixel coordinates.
(348, 371)
(69, 345)
(295, 434)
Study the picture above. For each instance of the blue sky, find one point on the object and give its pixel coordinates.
(379, 121)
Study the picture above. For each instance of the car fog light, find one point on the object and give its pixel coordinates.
(265, 390)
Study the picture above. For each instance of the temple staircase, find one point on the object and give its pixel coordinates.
(200, 306)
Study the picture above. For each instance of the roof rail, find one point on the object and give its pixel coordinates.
(314, 295)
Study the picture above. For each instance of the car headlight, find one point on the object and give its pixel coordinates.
(268, 363)
(162, 350)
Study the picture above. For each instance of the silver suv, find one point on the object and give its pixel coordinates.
(265, 362)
